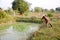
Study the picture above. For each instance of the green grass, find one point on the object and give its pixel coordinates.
(4, 17)
(31, 19)
(49, 33)
(3, 27)
(7, 19)
(20, 26)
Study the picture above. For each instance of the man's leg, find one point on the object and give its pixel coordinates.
(50, 24)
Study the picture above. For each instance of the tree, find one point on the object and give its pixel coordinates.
(58, 9)
(20, 5)
(0, 8)
(45, 10)
(51, 10)
(38, 9)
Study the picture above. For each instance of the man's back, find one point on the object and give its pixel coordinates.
(47, 20)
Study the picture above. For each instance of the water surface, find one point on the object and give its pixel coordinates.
(18, 31)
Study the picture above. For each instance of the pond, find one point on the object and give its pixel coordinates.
(17, 31)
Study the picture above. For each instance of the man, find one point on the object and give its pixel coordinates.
(47, 20)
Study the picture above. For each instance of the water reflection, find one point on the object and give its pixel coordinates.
(11, 34)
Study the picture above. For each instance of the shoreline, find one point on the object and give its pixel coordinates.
(9, 22)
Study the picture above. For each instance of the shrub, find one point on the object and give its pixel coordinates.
(3, 14)
(26, 13)
(49, 14)
(4, 17)
(31, 19)
(38, 9)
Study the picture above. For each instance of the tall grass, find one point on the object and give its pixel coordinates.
(49, 33)
(20, 26)
(31, 19)
(3, 27)
(4, 17)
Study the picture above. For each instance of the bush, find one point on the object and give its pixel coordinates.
(4, 17)
(38, 9)
(26, 13)
(2, 14)
(31, 19)
(49, 15)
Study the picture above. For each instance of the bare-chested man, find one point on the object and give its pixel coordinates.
(47, 20)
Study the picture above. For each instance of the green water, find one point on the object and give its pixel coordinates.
(17, 31)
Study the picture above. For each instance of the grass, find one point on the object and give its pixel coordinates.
(20, 26)
(7, 19)
(4, 27)
(16, 26)
(49, 33)
(45, 33)
(27, 19)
